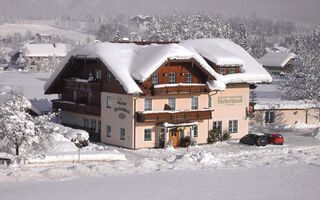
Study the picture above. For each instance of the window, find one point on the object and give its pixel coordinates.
(74, 95)
(109, 102)
(232, 71)
(155, 79)
(269, 117)
(194, 103)
(122, 133)
(188, 78)
(195, 131)
(172, 77)
(217, 126)
(223, 71)
(172, 103)
(89, 97)
(147, 104)
(85, 122)
(108, 131)
(233, 126)
(99, 126)
(108, 77)
(148, 134)
(98, 74)
(209, 101)
(93, 124)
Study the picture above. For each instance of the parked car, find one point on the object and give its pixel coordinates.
(274, 138)
(258, 139)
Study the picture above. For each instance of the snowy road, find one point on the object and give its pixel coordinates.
(286, 182)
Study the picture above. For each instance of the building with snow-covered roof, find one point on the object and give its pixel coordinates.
(278, 62)
(284, 113)
(40, 56)
(138, 95)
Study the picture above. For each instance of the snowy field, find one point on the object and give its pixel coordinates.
(22, 28)
(225, 170)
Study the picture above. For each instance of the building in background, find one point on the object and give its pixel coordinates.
(278, 63)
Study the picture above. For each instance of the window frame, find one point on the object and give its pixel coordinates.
(232, 70)
(267, 117)
(218, 122)
(149, 130)
(86, 123)
(108, 131)
(122, 134)
(195, 129)
(188, 78)
(194, 99)
(233, 128)
(209, 101)
(147, 104)
(109, 102)
(155, 79)
(173, 99)
(172, 77)
(223, 71)
(108, 76)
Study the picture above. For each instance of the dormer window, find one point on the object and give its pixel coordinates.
(172, 77)
(155, 79)
(223, 71)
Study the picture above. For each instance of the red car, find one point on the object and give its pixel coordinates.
(274, 138)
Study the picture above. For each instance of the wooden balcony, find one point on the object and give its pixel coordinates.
(173, 116)
(77, 108)
(81, 84)
(180, 89)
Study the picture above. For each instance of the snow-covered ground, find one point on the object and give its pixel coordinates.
(30, 83)
(225, 170)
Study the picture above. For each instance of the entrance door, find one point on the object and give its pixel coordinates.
(174, 137)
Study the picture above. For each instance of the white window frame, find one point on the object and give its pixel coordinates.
(194, 103)
(108, 130)
(109, 102)
(232, 128)
(188, 78)
(148, 131)
(122, 133)
(172, 77)
(223, 71)
(155, 79)
(98, 73)
(217, 124)
(172, 103)
(232, 70)
(195, 129)
(147, 104)
(267, 117)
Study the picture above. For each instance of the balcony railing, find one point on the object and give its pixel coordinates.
(77, 108)
(173, 116)
(82, 84)
(180, 89)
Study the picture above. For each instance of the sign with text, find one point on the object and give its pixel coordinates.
(230, 100)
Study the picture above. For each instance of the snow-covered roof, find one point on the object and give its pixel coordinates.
(46, 50)
(276, 59)
(283, 105)
(225, 52)
(130, 62)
